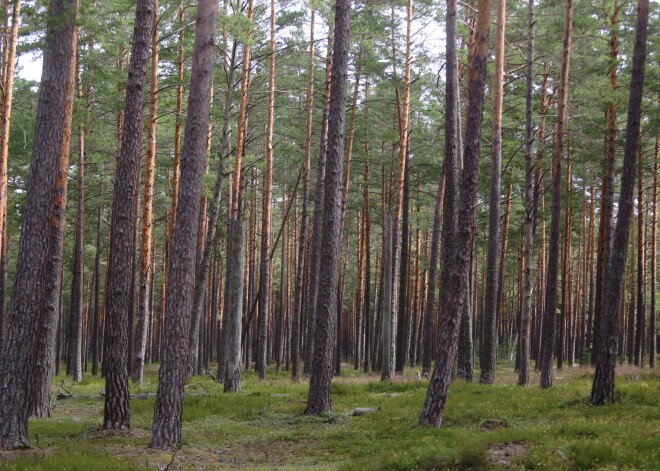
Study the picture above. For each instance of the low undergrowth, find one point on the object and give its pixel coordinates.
(263, 427)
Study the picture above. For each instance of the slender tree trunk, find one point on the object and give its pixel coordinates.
(603, 385)
(489, 345)
(233, 306)
(266, 214)
(166, 430)
(455, 284)
(94, 343)
(528, 220)
(386, 368)
(302, 239)
(654, 260)
(319, 399)
(549, 316)
(76, 314)
(640, 330)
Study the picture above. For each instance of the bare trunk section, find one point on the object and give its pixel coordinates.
(549, 316)
(233, 308)
(489, 344)
(530, 213)
(35, 243)
(124, 211)
(166, 430)
(455, 283)
(319, 399)
(146, 256)
(603, 385)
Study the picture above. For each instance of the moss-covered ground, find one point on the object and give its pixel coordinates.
(262, 428)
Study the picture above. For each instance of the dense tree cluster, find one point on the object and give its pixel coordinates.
(307, 184)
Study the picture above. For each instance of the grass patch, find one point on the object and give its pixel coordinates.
(263, 427)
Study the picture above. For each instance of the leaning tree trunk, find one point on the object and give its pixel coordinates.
(458, 270)
(166, 430)
(34, 245)
(603, 386)
(117, 398)
(319, 399)
(489, 342)
(549, 316)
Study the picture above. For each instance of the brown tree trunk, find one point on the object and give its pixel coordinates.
(266, 214)
(603, 385)
(549, 316)
(35, 242)
(124, 211)
(233, 306)
(607, 189)
(654, 261)
(319, 399)
(489, 343)
(302, 239)
(76, 313)
(640, 324)
(94, 341)
(146, 256)
(166, 430)
(529, 214)
(317, 222)
(455, 284)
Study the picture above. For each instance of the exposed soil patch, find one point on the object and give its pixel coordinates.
(504, 455)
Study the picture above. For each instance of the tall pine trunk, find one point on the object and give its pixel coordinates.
(603, 386)
(166, 430)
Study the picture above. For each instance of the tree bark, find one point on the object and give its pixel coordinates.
(458, 270)
(489, 343)
(166, 430)
(603, 386)
(319, 399)
(146, 256)
(529, 214)
(233, 308)
(35, 243)
(117, 398)
(549, 316)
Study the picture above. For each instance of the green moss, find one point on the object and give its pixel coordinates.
(263, 427)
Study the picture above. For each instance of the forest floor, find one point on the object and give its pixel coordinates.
(262, 428)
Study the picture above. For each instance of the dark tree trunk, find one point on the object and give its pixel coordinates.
(489, 342)
(603, 385)
(458, 270)
(530, 213)
(124, 211)
(94, 343)
(30, 282)
(321, 373)
(166, 430)
(233, 306)
(549, 316)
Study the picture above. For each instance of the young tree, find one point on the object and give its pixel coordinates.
(319, 399)
(603, 386)
(166, 430)
(28, 296)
